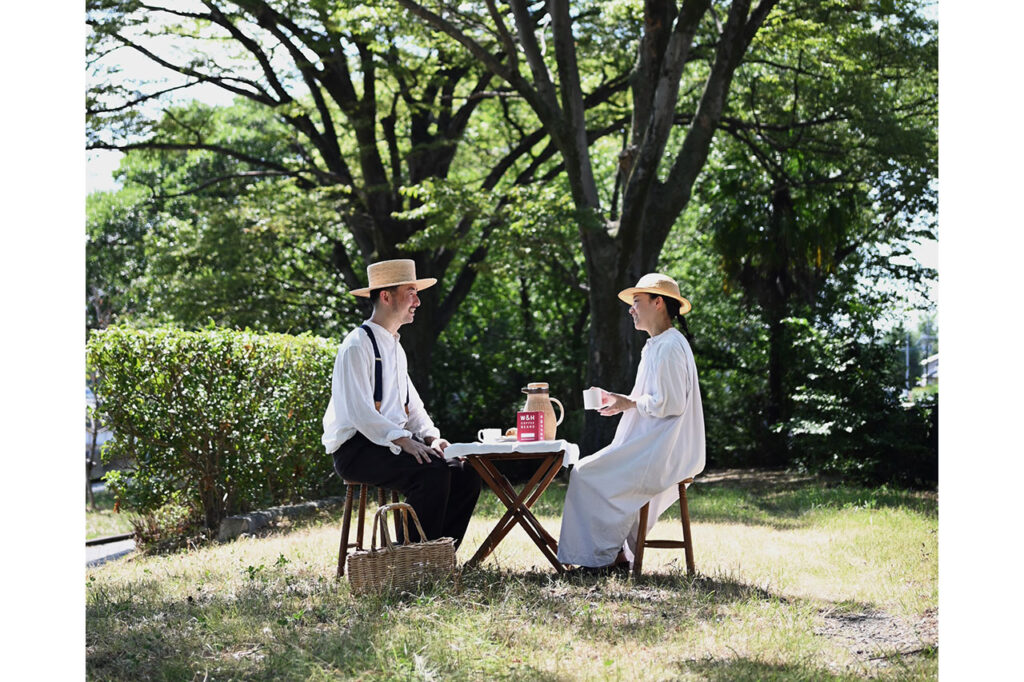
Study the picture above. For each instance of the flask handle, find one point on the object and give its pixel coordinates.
(561, 410)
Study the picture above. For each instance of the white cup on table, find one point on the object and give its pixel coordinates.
(488, 435)
(592, 399)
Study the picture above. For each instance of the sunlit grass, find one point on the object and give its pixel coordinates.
(772, 564)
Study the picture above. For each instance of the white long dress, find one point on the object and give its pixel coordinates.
(656, 445)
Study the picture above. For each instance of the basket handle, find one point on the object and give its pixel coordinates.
(385, 536)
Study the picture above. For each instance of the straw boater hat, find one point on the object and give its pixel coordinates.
(654, 283)
(393, 273)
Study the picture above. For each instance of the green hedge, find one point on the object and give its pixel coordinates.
(222, 421)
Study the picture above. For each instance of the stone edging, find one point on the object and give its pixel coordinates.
(233, 526)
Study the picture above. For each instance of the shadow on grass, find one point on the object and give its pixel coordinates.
(275, 625)
(917, 666)
(279, 622)
(785, 501)
(775, 499)
(740, 669)
(606, 608)
(756, 497)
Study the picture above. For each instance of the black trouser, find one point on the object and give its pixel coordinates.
(443, 494)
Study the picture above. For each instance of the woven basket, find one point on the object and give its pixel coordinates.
(389, 566)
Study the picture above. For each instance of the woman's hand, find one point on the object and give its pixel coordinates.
(614, 403)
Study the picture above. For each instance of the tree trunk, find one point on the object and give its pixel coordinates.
(90, 462)
(88, 484)
(614, 344)
(419, 340)
(776, 411)
(212, 511)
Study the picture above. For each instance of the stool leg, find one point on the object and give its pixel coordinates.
(362, 515)
(684, 513)
(641, 539)
(346, 523)
(382, 499)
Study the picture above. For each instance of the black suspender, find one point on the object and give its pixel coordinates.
(378, 373)
(378, 369)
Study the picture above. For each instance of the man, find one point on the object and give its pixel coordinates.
(658, 442)
(376, 427)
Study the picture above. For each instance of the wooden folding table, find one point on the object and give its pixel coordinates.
(550, 456)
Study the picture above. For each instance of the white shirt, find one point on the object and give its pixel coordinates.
(656, 445)
(351, 408)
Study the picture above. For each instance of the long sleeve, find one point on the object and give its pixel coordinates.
(667, 393)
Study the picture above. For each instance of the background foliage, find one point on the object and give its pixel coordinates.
(793, 247)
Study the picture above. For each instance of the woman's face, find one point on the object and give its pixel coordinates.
(644, 311)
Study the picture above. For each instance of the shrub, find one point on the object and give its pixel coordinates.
(223, 421)
(171, 526)
(849, 419)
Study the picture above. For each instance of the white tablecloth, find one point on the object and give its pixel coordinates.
(571, 456)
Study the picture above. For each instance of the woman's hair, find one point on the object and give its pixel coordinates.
(672, 306)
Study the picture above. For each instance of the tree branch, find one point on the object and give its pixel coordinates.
(272, 21)
(503, 71)
(506, 38)
(233, 176)
(258, 94)
(219, 18)
(153, 144)
(652, 144)
(453, 32)
(732, 46)
(140, 100)
(544, 89)
(572, 102)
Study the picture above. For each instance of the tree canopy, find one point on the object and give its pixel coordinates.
(536, 157)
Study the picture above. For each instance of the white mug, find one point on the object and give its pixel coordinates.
(592, 399)
(488, 435)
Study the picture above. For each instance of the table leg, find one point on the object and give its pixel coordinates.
(500, 481)
(499, 484)
(548, 474)
(518, 507)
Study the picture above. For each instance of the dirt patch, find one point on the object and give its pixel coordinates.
(877, 638)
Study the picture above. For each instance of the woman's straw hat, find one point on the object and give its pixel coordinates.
(654, 283)
(392, 273)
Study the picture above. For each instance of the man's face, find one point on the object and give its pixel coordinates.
(405, 301)
(643, 311)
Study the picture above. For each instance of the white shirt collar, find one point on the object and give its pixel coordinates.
(383, 331)
(660, 337)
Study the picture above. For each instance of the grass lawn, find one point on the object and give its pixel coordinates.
(795, 580)
(103, 520)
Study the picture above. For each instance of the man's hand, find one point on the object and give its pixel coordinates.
(613, 403)
(421, 452)
(439, 444)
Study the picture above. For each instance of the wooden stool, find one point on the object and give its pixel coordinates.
(686, 543)
(351, 489)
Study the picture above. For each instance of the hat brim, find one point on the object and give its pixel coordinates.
(626, 296)
(421, 284)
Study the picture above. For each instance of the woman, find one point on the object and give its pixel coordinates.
(659, 440)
